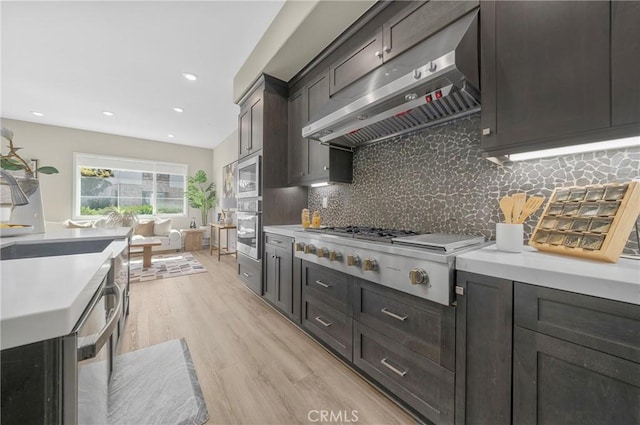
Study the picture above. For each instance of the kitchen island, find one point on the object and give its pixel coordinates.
(43, 297)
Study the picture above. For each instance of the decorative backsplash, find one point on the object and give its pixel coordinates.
(438, 181)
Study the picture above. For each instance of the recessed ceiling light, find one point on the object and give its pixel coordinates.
(170, 136)
(107, 113)
(175, 108)
(189, 76)
(37, 114)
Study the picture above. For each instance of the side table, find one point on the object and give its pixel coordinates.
(219, 228)
(192, 239)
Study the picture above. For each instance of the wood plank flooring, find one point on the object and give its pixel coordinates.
(254, 366)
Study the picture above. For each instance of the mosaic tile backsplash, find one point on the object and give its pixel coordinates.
(438, 181)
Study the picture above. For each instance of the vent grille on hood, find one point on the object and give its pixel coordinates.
(439, 89)
(456, 104)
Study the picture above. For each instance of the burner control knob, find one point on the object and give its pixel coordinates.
(300, 246)
(321, 252)
(334, 255)
(369, 264)
(418, 276)
(309, 249)
(353, 260)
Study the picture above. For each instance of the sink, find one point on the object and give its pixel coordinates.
(52, 249)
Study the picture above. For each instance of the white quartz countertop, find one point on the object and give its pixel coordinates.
(619, 281)
(44, 297)
(68, 235)
(284, 229)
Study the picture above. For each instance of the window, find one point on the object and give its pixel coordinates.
(145, 187)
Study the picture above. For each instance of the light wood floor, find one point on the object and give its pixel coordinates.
(254, 366)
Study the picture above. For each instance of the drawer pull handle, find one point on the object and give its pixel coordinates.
(395, 316)
(325, 324)
(392, 368)
(247, 274)
(274, 241)
(324, 285)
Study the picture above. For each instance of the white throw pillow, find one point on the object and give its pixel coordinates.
(78, 224)
(162, 227)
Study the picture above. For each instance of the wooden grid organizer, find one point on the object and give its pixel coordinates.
(588, 221)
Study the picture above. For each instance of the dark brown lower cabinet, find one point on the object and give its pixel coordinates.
(278, 267)
(329, 325)
(484, 317)
(326, 307)
(559, 382)
(419, 382)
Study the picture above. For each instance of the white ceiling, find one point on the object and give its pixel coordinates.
(73, 60)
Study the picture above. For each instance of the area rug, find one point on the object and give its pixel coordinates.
(156, 385)
(165, 266)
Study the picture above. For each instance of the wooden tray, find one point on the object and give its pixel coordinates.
(588, 221)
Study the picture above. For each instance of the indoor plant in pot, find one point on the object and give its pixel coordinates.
(201, 195)
(32, 213)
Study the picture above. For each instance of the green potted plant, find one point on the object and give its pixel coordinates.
(201, 195)
(120, 217)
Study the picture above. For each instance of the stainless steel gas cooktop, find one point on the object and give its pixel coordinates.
(419, 264)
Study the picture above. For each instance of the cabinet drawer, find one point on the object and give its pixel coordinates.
(424, 327)
(609, 326)
(250, 272)
(329, 286)
(419, 382)
(278, 240)
(328, 324)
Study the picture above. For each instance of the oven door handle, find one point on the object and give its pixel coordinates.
(94, 343)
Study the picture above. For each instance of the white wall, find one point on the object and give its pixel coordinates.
(223, 154)
(54, 146)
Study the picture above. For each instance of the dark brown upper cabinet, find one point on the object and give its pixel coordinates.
(310, 161)
(412, 24)
(250, 123)
(298, 146)
(419, 21)
(625, 65)
(356, 63)
(548, 71)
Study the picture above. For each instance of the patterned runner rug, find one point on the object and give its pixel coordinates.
(165, 266)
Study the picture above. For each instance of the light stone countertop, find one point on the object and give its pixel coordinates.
(43, 298)
(284, 229)
(619, 281)
(68, 235)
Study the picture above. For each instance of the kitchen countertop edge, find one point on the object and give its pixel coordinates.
(618, 282)
(284, 229)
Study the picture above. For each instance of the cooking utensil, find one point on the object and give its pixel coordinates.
(530, 207)
(518, 203)
(506, 205)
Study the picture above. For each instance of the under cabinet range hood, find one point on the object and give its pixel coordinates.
(432, 83)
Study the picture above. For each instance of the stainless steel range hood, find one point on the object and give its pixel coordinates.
(436, 84)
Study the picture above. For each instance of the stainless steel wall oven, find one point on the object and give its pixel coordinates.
(249, 231)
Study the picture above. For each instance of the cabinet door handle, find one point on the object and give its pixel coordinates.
(378, 54)
(393, 369)
(386, 49)
(322, 322)
(247, 274)
(395, 316)
(325, 168)
(324, 285)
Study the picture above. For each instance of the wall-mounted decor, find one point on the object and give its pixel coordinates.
(591, 221)
(229, 179)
